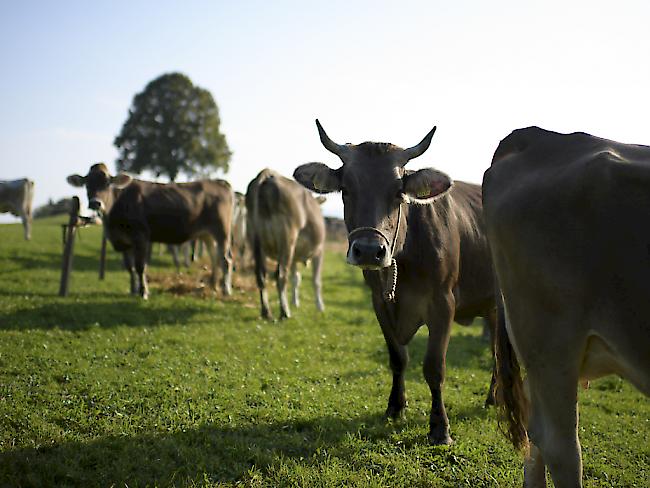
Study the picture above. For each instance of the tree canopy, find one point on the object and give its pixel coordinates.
(173, 128)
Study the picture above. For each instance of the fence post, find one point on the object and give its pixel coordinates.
(68, 251)
(102, 256)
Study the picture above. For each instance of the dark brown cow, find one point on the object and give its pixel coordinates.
(567, 217)
(285, 223)
(426, 263)
(16, 198)
(144, 212)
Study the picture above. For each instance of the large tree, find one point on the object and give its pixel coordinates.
(173, 128)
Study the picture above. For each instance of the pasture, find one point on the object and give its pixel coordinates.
(103, 389)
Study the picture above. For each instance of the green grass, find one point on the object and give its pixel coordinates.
(188, 389)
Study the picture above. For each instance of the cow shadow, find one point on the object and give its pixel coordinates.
(221, 452)
(78, 316)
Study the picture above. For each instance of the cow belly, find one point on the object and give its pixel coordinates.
(601, 360)
(171, 230)
(9, 209)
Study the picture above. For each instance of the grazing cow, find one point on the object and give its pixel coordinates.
(285, 223)
(426, 263)
(566, 217)
(16, 198)
(144, 212)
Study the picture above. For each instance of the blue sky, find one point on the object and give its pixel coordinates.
(369, 70)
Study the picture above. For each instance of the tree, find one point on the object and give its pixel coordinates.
(172, 128)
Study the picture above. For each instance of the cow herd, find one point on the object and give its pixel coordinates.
(552, 251)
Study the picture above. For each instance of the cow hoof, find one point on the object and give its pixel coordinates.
(435, 440)
(489, 401)
(285, 315)
(395, 413)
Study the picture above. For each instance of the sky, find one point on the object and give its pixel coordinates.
(368, 70)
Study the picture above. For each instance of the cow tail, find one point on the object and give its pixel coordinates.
(510, 395)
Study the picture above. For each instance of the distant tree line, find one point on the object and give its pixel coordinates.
(51, 208)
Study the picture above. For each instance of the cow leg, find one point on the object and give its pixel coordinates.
(173, 250)
(534, 468)
(434, 367)
(225, 256)
(129, 265)
(553, 428)
(141, 250)
(316, 268)
(260, 275)
(285, 263)
(185, 247)
(281, 283)
(398, 358)
(211, 246)
(490, 323)
(295, 283)
(27, 224)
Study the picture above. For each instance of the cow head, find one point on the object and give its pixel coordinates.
(375, 185)
(98, 184)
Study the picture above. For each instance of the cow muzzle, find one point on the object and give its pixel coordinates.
(96, 205)
(369, 249)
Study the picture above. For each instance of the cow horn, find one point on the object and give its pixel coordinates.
(339, 149)
(415, 151)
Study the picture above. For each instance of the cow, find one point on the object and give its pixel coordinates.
(138, 212)
(16, 198)
(285, 223)
(566, 218)
(421, 245)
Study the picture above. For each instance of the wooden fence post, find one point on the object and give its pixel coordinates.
(68, 251)
(102, 256)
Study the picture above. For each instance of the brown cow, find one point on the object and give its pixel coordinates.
(567, 216)
(285, 223)
(144, 212)
(426, 263)
(16, 198)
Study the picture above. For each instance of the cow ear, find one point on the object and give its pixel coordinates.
(318, 177)
(76, 180)
(120, 180)
(424, 185)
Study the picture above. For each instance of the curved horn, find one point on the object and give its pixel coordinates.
(330, 145)
(415, 151)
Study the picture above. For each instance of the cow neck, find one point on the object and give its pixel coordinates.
(390, 283)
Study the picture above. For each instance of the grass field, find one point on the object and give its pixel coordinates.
(190, 389)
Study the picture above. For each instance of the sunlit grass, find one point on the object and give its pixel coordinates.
(188, 389)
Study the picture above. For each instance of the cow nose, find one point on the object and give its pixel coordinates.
(95, 205)
(367, 252)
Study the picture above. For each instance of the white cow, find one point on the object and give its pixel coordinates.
(16, 198)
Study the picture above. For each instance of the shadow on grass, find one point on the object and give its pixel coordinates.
(81, 261)
(215, 453)
(69, 315)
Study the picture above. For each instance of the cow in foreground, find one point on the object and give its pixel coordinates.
(285, 223)
(138, 212)
(16, 198)
(422, 248)
(567, 216)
